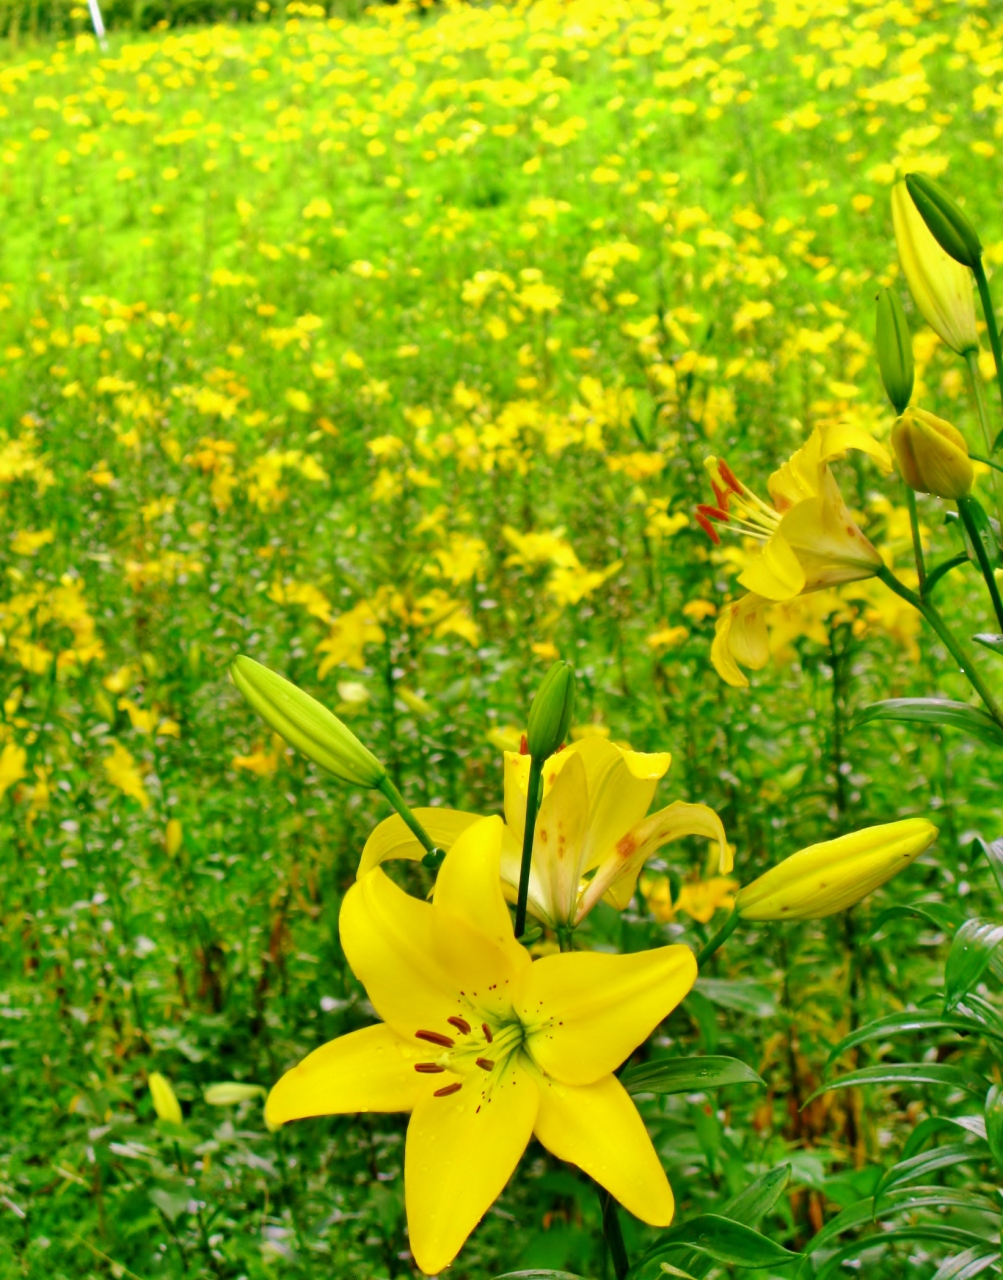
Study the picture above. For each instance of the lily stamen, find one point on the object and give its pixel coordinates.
(461, 1024)
(485, 1064)
(435, 1037)
(429, 1068)
(447, 1089)
(487, 1032)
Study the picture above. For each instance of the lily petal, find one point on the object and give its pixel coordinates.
(560, 834)
(826, 539)
(460, 1152)
(740, 636)
(597, 1127)
(840, 436)
(621, 785)
(776, 572)
(367, 1070)
(393, 839)
(617, 876)
(389, 941)
(468, 889)
(586, 1011)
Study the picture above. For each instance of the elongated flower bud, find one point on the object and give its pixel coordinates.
(894, 345)
(550, 714)
(165, 1104)
(932, 455)
(826, 878)
(948, 224)
(226, 1095)
(941, 287)
(306, 724)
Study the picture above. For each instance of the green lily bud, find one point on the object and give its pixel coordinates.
(894, 344)
(306, 724)
(231, 1092)
(550, 714)
(932, 455)
(948, 224)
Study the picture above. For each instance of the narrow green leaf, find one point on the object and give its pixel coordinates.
(971, 1262)
(905, 1200)
(917, 1167)
(536, 1274)
(994, 1123)
(907, 1073)
(941, 915)
(985, 532)
(989, 641)
(937, 1124)
(748, 1207)
(971, 951)
(687, 1075)
(897, 1024)
(994, 856)
(940, 1233)
(744, 997)
(955, 715)
(720, 1238)
(172, 1201)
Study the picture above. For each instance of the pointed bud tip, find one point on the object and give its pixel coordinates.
(948, 223)
(551, 712)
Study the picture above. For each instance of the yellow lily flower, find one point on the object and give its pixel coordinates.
(940, 286)
(829, 877)
(165, 1102)
(809, 540)
(592, 836)
(486, 1048)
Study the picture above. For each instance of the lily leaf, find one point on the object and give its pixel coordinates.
(968, 1264)
(989, 641)
(172, 1201)
(687, 1075)
(905, 1200)
(955, 715)
(940, 914)
(986, 530)
(994, 1123)
(971, 951)
(744, 997)
(916, 1168)
(907, 1073)
(536, 1274)
(941, 1233)
(897, 1024)
(748, 1207)
(994, 855)
(719, 1238)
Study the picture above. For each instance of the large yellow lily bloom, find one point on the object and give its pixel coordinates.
(485, 1048)
(809, 539)
(592, 834)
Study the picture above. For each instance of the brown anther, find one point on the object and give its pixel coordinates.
(435, 1037)
(524, 746)
(429, 1068)
(728, 476)
(446, 1090)
(708, 528)
(720, 495)
(487, 1032)
(461, 1024)
(485, 1064)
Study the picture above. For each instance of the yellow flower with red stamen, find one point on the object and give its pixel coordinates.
(809, 539)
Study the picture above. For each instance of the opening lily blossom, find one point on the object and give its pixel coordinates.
(486, 1048)
(593, 832)
(809, 539)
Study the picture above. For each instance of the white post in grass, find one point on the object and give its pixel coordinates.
(96, 18)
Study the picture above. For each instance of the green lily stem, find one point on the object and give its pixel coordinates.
(719, 939)
(532, 808)
(953, 645)
(982, 408)
(965, 511)
(917, 543)
(613, 1234)
(410, 821)
(989, 311)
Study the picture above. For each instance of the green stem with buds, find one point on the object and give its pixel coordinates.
(410, 821)
(965, 511)
(917, 543)
(953, 645)
(532, 808)
(989, 312)
(719, 939)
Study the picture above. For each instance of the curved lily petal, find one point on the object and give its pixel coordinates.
(840, 436)
(468, 889)
(460, 1152)
(621, 785)
(393, 839)
(776, 572)
(617, 876)
(824, 534)
(389, 940)
(511, 865)
(597, 1127)
(367, 1070)
(560, 834)
(740, 636)
(586, 1011)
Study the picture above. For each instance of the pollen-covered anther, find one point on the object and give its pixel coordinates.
(429, 1068)
(461, 1024)
(447, 1089)
(707, 527)
(487, 1032)
(728, 476)
(485, 1064)
(436, 1037)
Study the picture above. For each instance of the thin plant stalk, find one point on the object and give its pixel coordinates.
(718, 940)
(410, 821)
(965, 511)
(917, 542)
(953, 645)
(532, 808)
(982, 408)
(613, 1235)
(989, 312)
